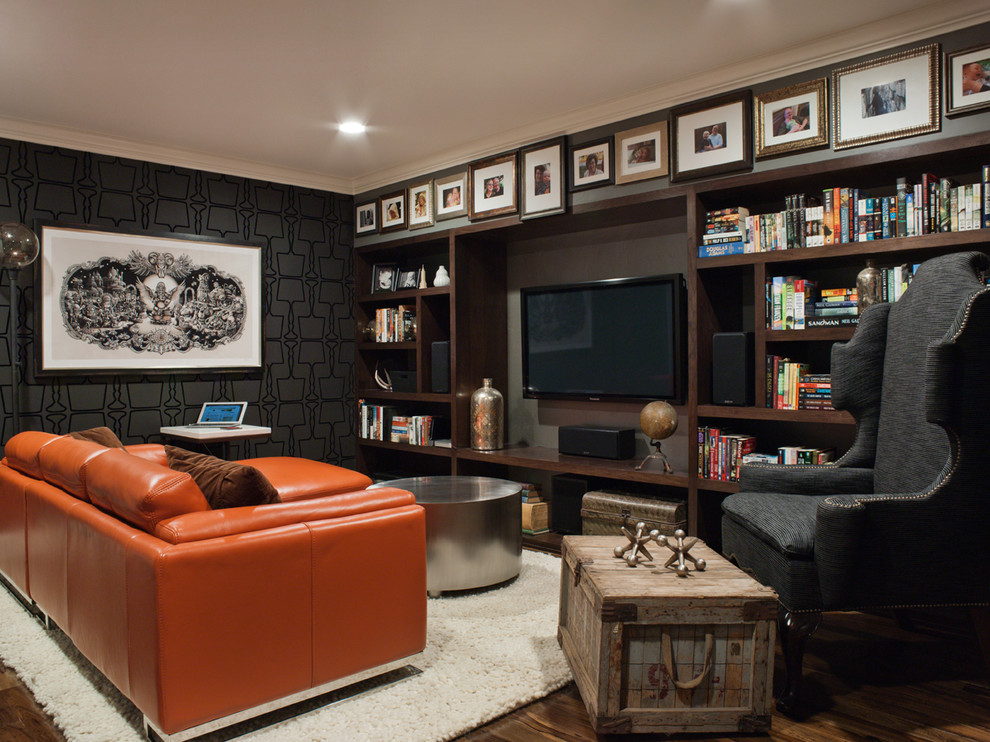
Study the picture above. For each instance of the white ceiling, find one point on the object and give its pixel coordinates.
(256, 88)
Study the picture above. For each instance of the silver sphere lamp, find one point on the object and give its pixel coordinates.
(18, 249)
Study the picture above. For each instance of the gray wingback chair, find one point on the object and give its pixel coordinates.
(903, 518)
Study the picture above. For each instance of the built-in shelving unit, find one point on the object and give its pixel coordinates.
(725, 294)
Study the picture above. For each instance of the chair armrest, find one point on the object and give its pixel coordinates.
(209, 524)
(825, 479)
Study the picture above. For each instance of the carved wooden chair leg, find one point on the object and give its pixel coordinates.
(794, 630)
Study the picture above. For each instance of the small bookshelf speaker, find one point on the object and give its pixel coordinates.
(732, 368)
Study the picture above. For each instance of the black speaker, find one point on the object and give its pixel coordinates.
(732, 368)
(403, 381)
(441, 366)
(601, 442)
(565, 502)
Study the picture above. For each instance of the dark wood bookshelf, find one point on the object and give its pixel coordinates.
(437, 451)
(380, 395)
(834, 334)
(386, 297)
(833, 417)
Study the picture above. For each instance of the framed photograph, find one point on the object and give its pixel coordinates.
(967, 80)
(393, 211)
(641, 153)
(114, 302)
(407, 280)
(887, 98)
(791, 119)
(451, 198)
(712, 136)
(420, 207)
(384, 277)
(493, 187)
(366, 218)
(542, 179)
(591, 165)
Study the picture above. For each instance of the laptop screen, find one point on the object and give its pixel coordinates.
(222, 412)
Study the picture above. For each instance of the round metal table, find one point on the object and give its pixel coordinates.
(473, 530)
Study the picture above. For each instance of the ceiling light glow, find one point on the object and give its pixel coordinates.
(353, 127)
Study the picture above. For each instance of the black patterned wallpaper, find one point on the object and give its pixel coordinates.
(304, 391)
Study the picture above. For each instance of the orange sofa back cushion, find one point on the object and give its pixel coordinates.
(64, 462)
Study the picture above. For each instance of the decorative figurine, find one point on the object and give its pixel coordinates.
(681, 555)
(635, 551)
(658, 420)
(442, 278)
(422, 277)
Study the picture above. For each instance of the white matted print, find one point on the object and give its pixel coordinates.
(543, 179)
(791, 119)
(712, 137)
(451, 198)
(421, 205)
(493, 187)
(641, 153)
(114, 302)
(967, 80)
(591, 165)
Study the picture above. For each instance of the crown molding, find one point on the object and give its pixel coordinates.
(57, 136)
(864, 40)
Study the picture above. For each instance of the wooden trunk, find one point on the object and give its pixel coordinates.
(604, 513)
(632, 635)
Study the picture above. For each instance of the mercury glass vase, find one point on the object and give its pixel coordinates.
(487, 418)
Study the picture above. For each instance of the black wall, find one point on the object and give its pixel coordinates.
(304, 391)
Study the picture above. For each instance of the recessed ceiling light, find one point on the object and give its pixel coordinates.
(353, 127)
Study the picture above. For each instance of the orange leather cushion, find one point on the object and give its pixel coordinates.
(22, 451)
(141, 492)
(104, 436)
(64, 461)
(150, 451)
(301, 479)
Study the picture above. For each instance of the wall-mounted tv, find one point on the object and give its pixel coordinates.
(619, 339)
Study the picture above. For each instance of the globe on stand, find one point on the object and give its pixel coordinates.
(659, 421)
(18, 245)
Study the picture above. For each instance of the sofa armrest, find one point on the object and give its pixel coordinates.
(825, 479)
(301, 479)
(200, 526)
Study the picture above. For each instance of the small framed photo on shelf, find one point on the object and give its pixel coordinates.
(641, 153)
(366, 218)
(712, 136)
(791, 119)
(420, 208)
(384, 277)
(591, 165)
(967, 80)
(493, 187)
(407, 280)
(886, 98)
(451, 198)
(542, 179)
(393, 211)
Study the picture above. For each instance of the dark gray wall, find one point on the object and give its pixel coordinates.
(304, 390)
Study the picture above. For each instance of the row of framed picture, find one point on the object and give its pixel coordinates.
(890, 97)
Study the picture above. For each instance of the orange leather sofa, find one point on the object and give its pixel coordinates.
(198, 614)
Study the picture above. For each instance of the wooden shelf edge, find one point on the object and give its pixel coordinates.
(425, 450)
(381, 394)
(836, 417)
(390, 296)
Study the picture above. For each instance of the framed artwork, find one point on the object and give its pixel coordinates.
(791, 119)
(451, 198)
(641, 153)
(967, 80)
(366, 218)
(591, 165)
(493, 187)
(407, 280)
(384, 277)
(114, 302)
(542, 179)
(886, 98)
(393, 211)
(712, 136)
(420, 207)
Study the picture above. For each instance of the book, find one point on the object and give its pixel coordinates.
(535, 517)
(727, 248)
(830, 321)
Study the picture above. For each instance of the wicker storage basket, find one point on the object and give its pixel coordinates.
(605, 512)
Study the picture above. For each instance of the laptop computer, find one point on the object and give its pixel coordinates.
(220, 415)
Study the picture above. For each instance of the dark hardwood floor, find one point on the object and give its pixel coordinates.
(867, 680)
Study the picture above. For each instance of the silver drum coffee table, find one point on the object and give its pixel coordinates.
(473, 530)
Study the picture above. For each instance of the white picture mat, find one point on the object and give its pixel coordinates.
(386, 222)
(426, 188)
(631, 168)
(551, 156)
(852, 124)
(442, 187)
(604, 164)
(63, 248)
(732, 115)
(813, 117)
(482, 204)
(371, 210)
(956, 97)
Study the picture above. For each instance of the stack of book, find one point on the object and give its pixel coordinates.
(725, 232)
(815, 392)
(416, 430)
(535, 512)
(833, 307)
(376, 421)
(720, 453)
(783, 376)
(395, 324)
(798, 455)
(787, 298)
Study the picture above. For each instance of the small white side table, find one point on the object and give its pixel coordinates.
(223, 436)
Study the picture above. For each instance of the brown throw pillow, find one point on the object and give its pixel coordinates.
(103, 436)
(224, 483)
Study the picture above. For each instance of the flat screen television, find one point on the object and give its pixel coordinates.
(618, 339)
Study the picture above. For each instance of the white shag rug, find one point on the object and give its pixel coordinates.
(487, 653)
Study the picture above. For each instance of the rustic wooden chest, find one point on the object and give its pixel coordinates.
(654, 652)
(605, 512)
